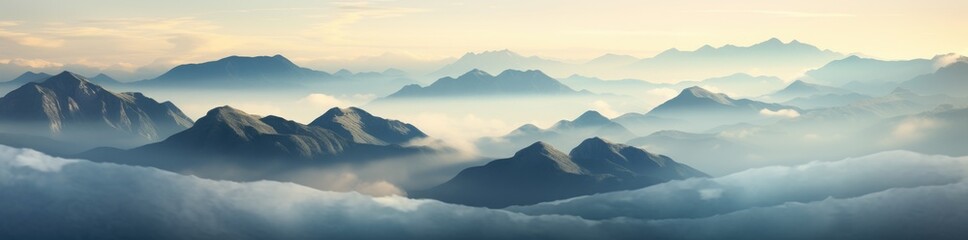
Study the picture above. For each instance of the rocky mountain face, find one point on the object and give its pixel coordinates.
(69, 108)
(362, 127)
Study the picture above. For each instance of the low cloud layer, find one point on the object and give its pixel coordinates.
(786, 113)
(887, 195)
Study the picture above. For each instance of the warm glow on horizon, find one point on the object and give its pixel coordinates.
(127, 35)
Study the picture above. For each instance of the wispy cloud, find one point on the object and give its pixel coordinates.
(333, 29)
(26, 39)
(617, 32)
(781, 13)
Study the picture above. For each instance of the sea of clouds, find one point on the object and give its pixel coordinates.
(890, 195)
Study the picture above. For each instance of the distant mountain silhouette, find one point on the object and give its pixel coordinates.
(563, 134)
(864, 112)
(611, 61)
(540, 173)
(495, 61)
(27, 77)
(695, 148)
(362, 127)
(104, 80)
(698, 102)
(771, 57)
(236, 70)
(265, 73)
(854, 70)
(826, 100)
(951, 80)
(478, 83)
(253, 147)
(69, 108)
(936, 131)
(738, 83)
(744, 84)
(696, 109)
(801, 89)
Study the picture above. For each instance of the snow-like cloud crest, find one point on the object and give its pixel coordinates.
(888, 195)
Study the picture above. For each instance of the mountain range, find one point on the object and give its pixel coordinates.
(740, 84)
(228, 143)
(495, 61)
(563, 134)
(69, 108)
(697, 109)
(540, 173)
(950, 80)
(480, 83)
(801, 89)
(271, 73)
(772, 57)
(362, 127)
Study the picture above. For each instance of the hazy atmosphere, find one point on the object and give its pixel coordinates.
(483, 119)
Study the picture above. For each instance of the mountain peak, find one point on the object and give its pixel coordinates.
(336, 111)
(590, 117)
(541, 153)
(362, 127)
(771, 41)
(29, 76)
(33, 74)
(241, 124)
(526, 129)
(595, 147)
(475, 73)
(538, 147)
(515, 73)
(802, 85)
(343, 73)
(66, 79)
(697, 91)
(225, 110)
(594, 141)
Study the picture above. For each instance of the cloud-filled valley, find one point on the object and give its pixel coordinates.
(860, 197)
(483, 120)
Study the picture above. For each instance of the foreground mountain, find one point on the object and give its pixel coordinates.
(480, 83)
(950, 80)
(69, 108)
(230, 144)
(362, 127)
(541, 173)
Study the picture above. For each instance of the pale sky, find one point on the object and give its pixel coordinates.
(127, 33)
